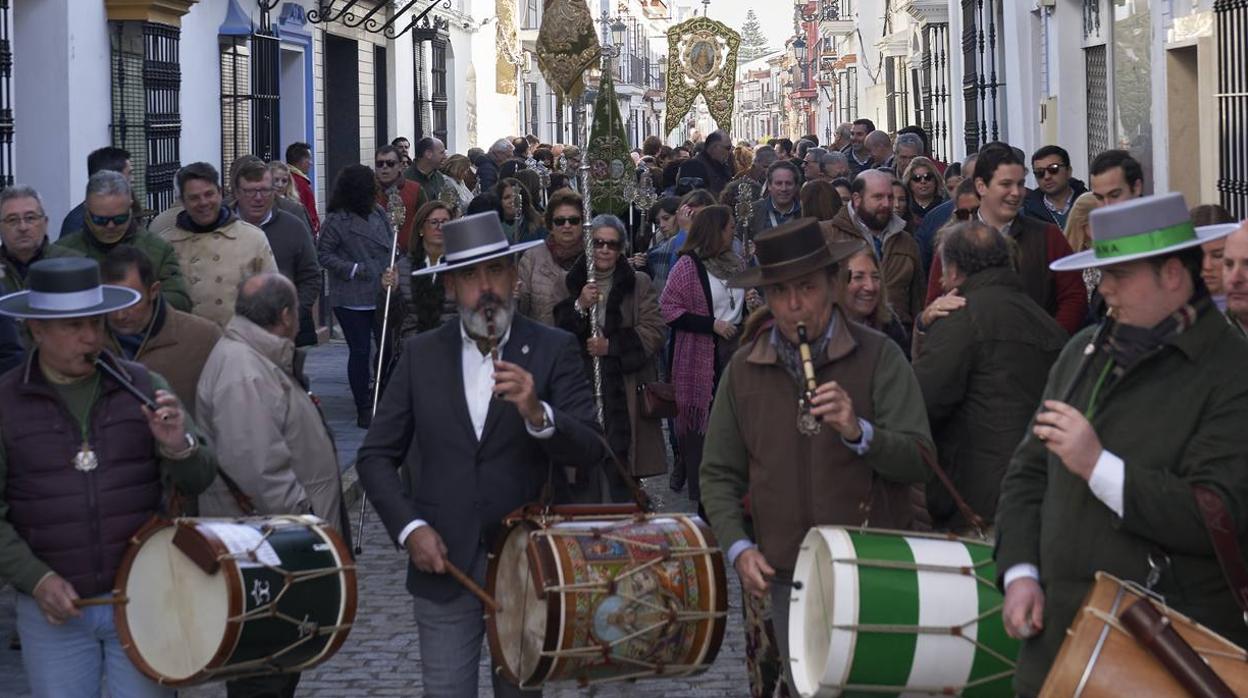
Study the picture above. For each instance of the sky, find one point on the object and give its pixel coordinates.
(775, 18)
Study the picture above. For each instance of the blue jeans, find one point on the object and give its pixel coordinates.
(75, 659)
(450, 645)
(358, 330)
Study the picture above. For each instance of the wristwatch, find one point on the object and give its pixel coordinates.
(546, 423)
(191, 445)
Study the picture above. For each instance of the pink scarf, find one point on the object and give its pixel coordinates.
(693, 358)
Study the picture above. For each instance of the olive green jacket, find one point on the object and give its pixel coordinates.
(12, 280)
(1177, 419)
(162, 255)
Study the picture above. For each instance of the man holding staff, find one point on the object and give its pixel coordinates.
(82, 461)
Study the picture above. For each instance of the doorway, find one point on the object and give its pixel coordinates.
(342, 106)
(294, 97)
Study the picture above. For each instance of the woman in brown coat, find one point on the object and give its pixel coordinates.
(542, 269)
(623, 304)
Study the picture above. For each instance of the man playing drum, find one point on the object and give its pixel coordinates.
(81, 466)
(483, 414)
(1137, 411)
(845, 453)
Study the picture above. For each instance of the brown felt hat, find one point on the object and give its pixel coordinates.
(792, 250)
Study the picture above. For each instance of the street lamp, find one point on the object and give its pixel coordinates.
(799, 50)
(617, 31)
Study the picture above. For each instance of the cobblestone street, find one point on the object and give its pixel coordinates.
(381, 656)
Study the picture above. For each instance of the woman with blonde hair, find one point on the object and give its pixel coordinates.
(1080, 237)
(926, 187)
(458, 171)
(742, 160)
(282, 184)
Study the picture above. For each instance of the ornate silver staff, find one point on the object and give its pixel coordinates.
(745, 215)
(543, 179)
(644, 198)
(589, 275)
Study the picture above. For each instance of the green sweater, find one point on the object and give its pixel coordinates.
(162, 255)
(1176, 419)
(190, 475)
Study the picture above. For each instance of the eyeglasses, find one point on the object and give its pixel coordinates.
(600, 244)
(119, 219)
(1042, 172)
(255, 193)
(928, 177)
(383, 164)
(574, 220)
(30, 219)
(964, 214)
(436, 222)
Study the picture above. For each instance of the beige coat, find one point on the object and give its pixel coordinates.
(214, 264)
(541, 285)
(268, 434)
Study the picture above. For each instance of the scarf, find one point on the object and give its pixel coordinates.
(1127, 345)
(724, 265)
(791, 358)
(224, 217)
(564, 255)
(693, 356)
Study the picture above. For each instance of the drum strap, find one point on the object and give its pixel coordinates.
(974, 520)
(1221, 529)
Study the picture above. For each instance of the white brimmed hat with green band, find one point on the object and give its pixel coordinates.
(1138, 229)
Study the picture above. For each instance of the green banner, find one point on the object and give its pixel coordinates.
(610, 165)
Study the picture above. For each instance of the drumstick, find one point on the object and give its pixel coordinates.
(481, 594)
(796, 584)
(101, 601)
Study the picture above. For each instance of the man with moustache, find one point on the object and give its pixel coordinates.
(23, 236)
(869, 217)
(476, 442)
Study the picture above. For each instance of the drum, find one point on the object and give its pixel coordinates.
(215, 599)
(889, 612)
(1100, 658)
(597, 594)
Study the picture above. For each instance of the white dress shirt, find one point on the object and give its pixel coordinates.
(478, 372)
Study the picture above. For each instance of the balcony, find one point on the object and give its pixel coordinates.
(835, 16)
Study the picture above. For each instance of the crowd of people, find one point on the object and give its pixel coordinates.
(946, 307)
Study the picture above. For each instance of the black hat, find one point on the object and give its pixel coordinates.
(474, 239)
(66, 287)
(791, 250)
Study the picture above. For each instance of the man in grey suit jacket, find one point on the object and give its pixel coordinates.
(477, 437)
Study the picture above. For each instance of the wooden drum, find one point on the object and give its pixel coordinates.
(1099, 658)
(216, 599)
(597, 594)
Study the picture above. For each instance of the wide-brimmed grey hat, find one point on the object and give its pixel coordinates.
(1142, 228)
(474, 239)
(66, 287)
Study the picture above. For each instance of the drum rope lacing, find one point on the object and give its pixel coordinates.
(602, 649)
(269, 609)
(953, 631)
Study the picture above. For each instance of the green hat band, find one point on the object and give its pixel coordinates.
(1144, 243)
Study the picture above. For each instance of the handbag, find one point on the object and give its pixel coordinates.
(657, 400)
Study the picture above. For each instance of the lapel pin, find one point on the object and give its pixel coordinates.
(524, 349)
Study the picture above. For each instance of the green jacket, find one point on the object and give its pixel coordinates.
(191, 475)
(982, 370)
(161, 253)
(13, 279)
(1176, 419)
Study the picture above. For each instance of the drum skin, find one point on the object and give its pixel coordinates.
(1124, 667)
(184, 625)
(631, 590)
(888, 612)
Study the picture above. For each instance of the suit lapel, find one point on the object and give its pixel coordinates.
(455, 378)
(517, 351)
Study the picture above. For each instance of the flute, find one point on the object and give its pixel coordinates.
(807, 423)
(126, 385)
(491, 335)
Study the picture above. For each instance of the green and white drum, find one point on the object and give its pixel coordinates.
(214, 599)
(889, 613)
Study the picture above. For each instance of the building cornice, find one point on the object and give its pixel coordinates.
(929, 11)
(160, 11)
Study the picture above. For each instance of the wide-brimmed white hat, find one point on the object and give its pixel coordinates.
(474, 239)
(1142, 228)
(66, 287)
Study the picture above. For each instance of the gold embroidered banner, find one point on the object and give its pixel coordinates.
(611, 170)
(702, 60)
(507, 56)
(567, 45)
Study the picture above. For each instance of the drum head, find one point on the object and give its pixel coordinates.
(176, 633)
(828, 597)
(521, 624)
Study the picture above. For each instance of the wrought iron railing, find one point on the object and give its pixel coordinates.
(1232, 30)
(983, 86)
(6, 96)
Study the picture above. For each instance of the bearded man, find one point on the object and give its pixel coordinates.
(477, 442)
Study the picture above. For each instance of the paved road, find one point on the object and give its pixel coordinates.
(382, 657)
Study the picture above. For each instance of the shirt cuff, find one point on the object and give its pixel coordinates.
(735, 550)
(864, 441)
(1023, 570)
(1107, 481)
(354, 268)
(407, 530)
(548, 431)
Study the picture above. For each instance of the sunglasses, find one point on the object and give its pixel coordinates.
(382, 164)
(115, 220)
(575, 220)
(929, 177)
(964, 214)
(1042, 172)
(600, 244)
(694, 182)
